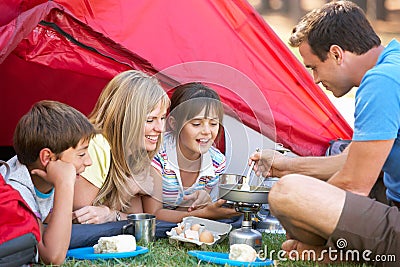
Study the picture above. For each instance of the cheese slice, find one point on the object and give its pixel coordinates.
(113, 244)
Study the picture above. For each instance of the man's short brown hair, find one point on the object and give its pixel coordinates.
(340, 23)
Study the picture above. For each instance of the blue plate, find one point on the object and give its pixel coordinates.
(87, 253)
(223, 258)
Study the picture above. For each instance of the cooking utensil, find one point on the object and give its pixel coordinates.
(245, 186)
(232, 192)
(266, 221)
(246, 179)
(230, 178)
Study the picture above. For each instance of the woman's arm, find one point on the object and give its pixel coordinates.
(85, 193)
(153, 204)
(136, 206)
(84, 212)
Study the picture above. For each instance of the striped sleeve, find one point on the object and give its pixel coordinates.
(157, 162)
(219, 165)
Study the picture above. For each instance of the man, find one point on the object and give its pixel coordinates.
(342, 50)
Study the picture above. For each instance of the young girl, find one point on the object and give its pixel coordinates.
(188, 165)
(130, 113)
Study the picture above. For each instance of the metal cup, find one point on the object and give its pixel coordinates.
(142, 226)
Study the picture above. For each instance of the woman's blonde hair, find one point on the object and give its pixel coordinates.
(120, 113)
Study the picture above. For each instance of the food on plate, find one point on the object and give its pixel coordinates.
(113, 244)
(206, 236)
(242, 252)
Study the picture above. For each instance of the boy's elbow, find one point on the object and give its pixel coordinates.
(54, 259)
(51, 257)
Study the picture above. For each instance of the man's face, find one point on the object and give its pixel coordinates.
(330, 73)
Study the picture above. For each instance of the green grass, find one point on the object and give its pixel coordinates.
(162, 253)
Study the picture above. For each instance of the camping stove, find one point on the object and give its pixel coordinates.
(248, 202)
(266, 221)
(245, 234)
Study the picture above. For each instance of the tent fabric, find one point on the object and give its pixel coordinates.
(68, 50)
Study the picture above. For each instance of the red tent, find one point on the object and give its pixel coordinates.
(67, 50)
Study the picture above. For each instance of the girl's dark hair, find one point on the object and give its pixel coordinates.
(189, 99)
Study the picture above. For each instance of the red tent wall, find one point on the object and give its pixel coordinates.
(265, 85)
(41, 58)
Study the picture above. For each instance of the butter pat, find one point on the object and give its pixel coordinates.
(113, 244)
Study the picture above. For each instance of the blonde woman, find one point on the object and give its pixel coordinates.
(130, 114)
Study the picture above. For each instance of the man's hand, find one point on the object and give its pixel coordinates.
(269, 163)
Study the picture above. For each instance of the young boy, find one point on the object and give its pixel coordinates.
(51, 143)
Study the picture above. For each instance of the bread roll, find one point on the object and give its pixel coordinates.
(242, 252)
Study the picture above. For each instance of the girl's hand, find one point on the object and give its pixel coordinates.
(217, 211)
(200, 199)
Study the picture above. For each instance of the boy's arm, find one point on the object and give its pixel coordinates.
(56, 236)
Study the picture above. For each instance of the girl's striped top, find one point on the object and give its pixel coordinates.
(212, 165)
